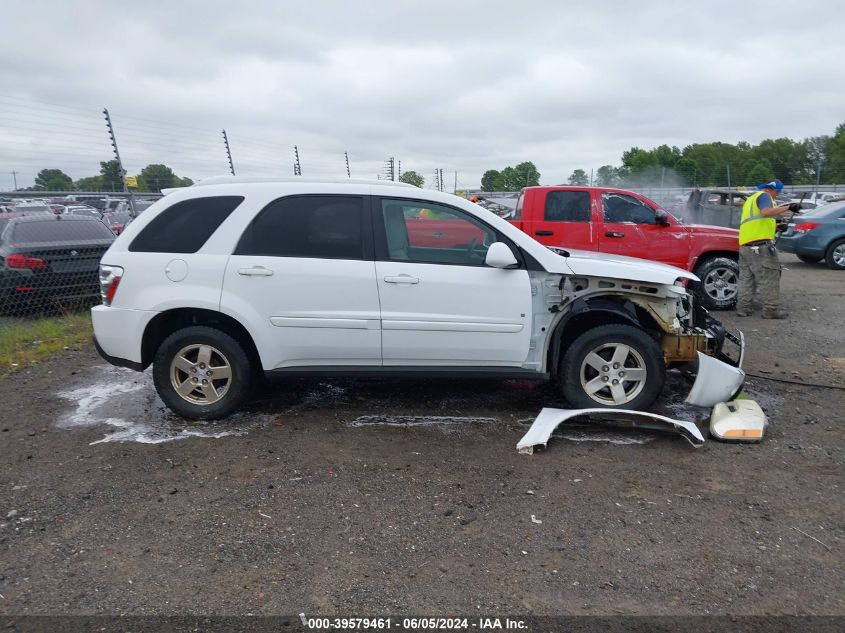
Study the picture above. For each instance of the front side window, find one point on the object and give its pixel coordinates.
(185, 226)
(327, 227)
(621, 208)
(425, 232)
(567, 206)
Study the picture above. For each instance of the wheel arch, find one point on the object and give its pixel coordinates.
(164, 324)
(584, 315)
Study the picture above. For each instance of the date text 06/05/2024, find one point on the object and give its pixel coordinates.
(413, 624)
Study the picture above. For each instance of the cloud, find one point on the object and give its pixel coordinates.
(460, 86)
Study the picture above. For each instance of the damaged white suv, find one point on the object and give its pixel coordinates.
(221, 281)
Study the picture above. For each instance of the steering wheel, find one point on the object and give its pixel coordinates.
(471, 249)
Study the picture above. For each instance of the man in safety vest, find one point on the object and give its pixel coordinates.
(759, 266)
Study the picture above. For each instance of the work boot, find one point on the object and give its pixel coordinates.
(779, 314)
(743, 313)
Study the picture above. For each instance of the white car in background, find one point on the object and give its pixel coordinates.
(232, 277)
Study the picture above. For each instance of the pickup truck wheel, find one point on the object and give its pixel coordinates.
(202, 373)
(835, 256)
(613, 366)
(719, 283)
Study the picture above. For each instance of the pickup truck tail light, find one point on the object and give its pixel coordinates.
(806, 227)
(110, 277)
(18, 260)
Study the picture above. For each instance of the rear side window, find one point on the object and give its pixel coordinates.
(567, 206)
(186, 226)
(60, 231)
(328, 227)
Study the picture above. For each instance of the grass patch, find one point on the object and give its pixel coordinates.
(28, 342)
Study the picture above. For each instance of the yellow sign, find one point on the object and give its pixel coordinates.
(131, 181)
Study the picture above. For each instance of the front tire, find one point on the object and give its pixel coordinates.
(719, 285)
(202, 373)
(835, 256)
(614, 367)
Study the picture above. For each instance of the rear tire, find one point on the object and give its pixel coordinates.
(612, 352)
(808, 259)
(202, 373)
(719, 285)
(835, 256)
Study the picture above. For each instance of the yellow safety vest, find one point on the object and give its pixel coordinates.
(753, 226)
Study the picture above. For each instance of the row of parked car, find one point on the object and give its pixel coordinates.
(50, 251)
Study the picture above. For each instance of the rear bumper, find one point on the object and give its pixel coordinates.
(119, 333)
(806, 245)
(114, 360)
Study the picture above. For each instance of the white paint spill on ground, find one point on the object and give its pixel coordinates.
(417, 420)
(126, 404)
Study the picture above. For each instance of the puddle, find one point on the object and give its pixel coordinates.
(126, 404)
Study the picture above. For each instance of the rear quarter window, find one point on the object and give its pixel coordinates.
(185, 226)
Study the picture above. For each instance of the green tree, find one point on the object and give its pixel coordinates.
(155, 177)
(760, 172)
(607, 176)
(488, 180)
(89, 183)
(508, 180)
(112, 179)
(53, 180)
(835, 171)
(184, 182)
(412, 178)
(527, 175)
(579, 177)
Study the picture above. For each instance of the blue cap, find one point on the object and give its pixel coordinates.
(772, 184)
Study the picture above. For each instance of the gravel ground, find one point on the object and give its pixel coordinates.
(373, 497)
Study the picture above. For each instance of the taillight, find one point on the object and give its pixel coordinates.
(109, 281)
(17, 260)
(805, 227)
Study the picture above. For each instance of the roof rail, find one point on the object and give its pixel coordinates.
(223, 180)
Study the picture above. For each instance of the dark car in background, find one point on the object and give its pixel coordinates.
(716, 207)
(48, 260)
(816, 235)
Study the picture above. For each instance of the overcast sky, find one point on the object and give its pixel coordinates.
(461, 86)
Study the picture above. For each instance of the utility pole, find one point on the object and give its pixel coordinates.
(818, 174)
(297, 166)
(126, 189)
(455, 190)
(591, 176)
(442, 185)
(390, 168)
(15, 178)
(399, 170)
(729, 174)
(228, 153)
(436, 180)
(348, 173)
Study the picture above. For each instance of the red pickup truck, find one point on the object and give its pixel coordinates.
(626, 223)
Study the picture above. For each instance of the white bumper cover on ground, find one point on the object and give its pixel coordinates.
(549, 419)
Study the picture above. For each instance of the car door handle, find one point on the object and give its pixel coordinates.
(401, 279)
(544, 233)
(614, 234)
(255, 271)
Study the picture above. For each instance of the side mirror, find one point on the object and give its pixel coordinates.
(661, 217)
(499, 255)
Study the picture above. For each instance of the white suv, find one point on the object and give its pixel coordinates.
(221, 281)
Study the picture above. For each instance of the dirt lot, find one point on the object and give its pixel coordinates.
(396, 497)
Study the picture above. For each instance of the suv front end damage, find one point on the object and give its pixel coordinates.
(685, 331)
